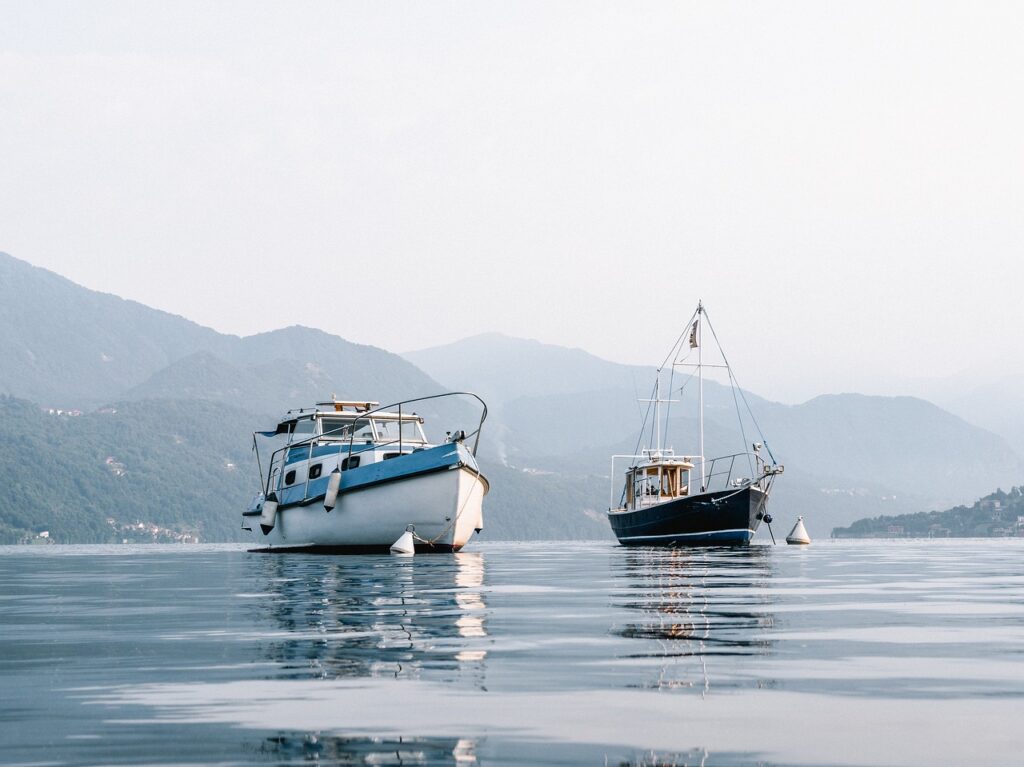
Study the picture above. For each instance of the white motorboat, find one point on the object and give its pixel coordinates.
(353, 477)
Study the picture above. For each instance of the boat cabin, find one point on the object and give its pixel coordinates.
(342, 421)
(660, 477)
(339, 434)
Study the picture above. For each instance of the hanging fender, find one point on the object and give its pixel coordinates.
(333, 485)
(268, 517)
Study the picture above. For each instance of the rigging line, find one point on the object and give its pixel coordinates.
(739, 416)
(742, 395)
(672, 351)
(671, 378)
(259, 464)
(639, 439)
(682, 390)
(653, 403)
(668, 409)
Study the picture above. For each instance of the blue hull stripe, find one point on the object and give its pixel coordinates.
(439, 458)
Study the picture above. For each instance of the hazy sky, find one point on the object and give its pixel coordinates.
(840, 183)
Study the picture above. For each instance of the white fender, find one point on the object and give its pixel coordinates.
(269, 516)
(333, 483)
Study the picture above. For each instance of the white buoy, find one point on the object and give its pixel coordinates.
(405, 546)
(798, 535)
(333, 483)
(268, 517)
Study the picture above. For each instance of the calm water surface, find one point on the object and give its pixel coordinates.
(845, 653)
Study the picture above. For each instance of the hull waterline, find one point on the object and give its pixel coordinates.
(725, 518)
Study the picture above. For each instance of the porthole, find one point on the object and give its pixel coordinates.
(352, 462)
(314, 471)
(289, 478)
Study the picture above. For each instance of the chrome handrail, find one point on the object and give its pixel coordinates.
(475, 433)
(311, 441)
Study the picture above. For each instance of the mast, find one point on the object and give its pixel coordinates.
(700, 393)
(657, 412)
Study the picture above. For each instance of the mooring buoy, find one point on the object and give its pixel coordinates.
(798, 535)
(405, 546)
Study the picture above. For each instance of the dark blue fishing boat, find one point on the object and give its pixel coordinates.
(671, 500)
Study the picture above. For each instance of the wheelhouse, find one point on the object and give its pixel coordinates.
(661, 476)
(342, 435)
(351, 422)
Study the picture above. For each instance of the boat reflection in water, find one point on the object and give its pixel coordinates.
(695, 606)
(371, 617)
(328, 749)
(374, 616)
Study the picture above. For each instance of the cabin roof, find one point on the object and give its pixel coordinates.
(344, 410)
(340, 405)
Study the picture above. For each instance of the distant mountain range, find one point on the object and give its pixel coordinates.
(847, 455)
(66, 346)
(141, 378)
(187, 398)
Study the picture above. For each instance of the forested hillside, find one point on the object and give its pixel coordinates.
(187, 468)
(183, 466)
(999, 514)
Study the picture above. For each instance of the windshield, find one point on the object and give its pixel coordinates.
(387, 431)
(335, 428)
(302, 430)
(411, 432)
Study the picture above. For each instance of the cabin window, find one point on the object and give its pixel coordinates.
(335, 428)
(364, 431)
(289, 478)
(389, 456)
(387, 431)
(303, 429)
(352, 462)
(314, 471)
(411, 432)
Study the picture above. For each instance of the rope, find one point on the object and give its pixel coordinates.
(643, 428)
(682, 391)
(455, 519)
(742, 395)
(739, 416)
(674, 356)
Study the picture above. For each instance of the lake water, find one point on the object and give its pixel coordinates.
(843, 653)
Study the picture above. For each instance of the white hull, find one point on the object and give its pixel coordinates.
(445, 507)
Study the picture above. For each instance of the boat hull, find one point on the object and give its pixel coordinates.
(445, 507)
(724, 518)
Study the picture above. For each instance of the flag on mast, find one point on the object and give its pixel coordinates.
(693, 334)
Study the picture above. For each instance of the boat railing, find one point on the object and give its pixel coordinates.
(475, 434)
(279, 458)
(718, 472)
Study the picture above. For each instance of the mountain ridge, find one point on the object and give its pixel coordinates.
(554, 409)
